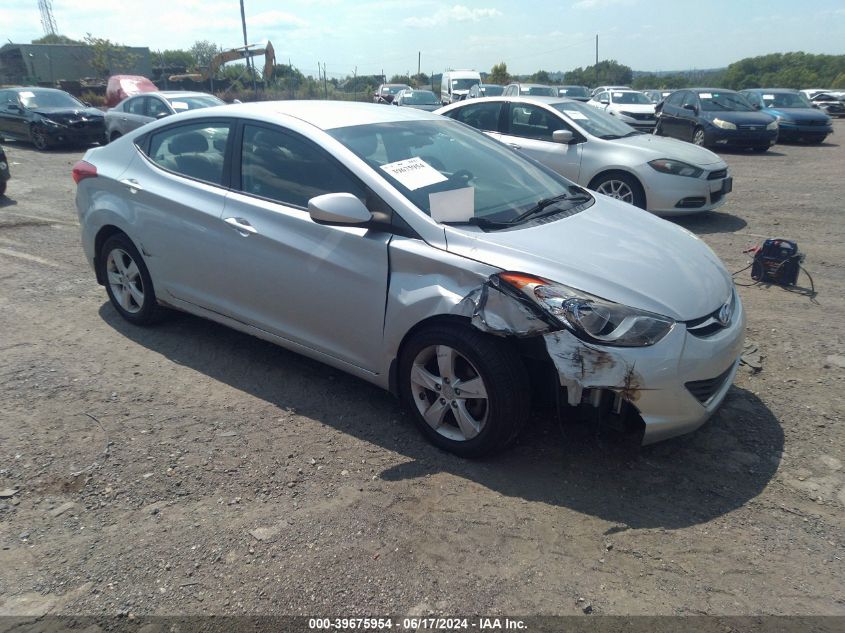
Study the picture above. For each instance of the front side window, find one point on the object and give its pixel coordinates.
(530, 121)
(287, 168)
(196, 151)
(691, 99)
(675, 99)
(156, 108)
(482, 116)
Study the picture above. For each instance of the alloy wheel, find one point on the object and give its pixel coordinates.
(617, 189)
(124, 279)
(39, 139)
(449, 392)
(698, 137)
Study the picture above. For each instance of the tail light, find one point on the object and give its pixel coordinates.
(83, 170)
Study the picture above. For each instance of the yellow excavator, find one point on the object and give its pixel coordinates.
(234, 54)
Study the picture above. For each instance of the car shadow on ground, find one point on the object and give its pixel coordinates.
(674, 484)
(710, 222)
(6, 201)
(744, 151)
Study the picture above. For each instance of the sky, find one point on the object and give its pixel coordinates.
(372, 36)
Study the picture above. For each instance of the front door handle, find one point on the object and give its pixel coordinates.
(241, 226)
(515, 146)
(133, 185)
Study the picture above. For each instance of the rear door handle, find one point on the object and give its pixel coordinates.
(133, 185)
(241, 226)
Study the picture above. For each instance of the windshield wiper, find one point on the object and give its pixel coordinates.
(538, 208)
(609, 137)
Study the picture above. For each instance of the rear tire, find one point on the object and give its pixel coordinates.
(442, 367)
(128, 281)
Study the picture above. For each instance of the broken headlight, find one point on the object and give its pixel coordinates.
(591, 318)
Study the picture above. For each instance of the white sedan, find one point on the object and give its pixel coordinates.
(663, 175)
(630, 106)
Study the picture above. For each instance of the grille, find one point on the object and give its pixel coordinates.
(704, 390)
(717, 175)
(641, 116)
(751, 127)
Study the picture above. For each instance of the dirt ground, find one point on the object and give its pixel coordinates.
(190, 469)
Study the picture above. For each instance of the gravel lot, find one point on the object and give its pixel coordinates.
(191, 469)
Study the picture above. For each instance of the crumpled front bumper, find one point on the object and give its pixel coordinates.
(655, 380)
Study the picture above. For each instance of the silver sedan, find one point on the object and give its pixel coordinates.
(138, 110)
(417, 254)
(662, 175)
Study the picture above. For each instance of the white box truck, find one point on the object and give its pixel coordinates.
(455, 84)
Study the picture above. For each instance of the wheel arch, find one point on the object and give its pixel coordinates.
(103, 234)
(619, 170)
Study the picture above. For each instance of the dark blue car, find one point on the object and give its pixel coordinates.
(797, 119)
(713, 117)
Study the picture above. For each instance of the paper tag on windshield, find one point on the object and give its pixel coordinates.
(574, 114)
(706, 95)
(616, 95)
(179, 105)
(414, 173)
(772, 97)
(455, 205)
(27, 94)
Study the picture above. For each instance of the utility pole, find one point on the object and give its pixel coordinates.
(596, 67)
(249, 64)
(325, 81)
(419, 59)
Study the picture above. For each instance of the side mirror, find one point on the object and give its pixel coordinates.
(691, 107)
(756, 106)
(236, 101)
(604, 101)
(562, 136)
(341, 209)
(816, 106)
(161, 115)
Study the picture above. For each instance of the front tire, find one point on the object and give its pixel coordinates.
(699, 138)
(128, 281)
(2, 187)
(39, 138)
(622, 186)
(468, 391)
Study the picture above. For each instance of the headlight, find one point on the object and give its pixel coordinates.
(588, 317)
(675, 167)
(782, 119)
(772, 126)
(725, 125)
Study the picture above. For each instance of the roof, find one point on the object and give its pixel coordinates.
(771, 90)
(325, 115)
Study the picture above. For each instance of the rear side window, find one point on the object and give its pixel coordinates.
(290, 169)
(482, 116)
(196, 151)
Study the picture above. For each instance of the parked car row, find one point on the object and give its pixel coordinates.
(458, 262)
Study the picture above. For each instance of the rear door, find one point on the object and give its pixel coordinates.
(323, 287)
(528, 128)
(176, 191)
(12, 115)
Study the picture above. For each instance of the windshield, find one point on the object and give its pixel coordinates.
(420, 97)
(464, 84)
(48, 99)
(491, 90)
(194, 103)
(541, 91)
(637, 98)
(574, 91)
(430, 162)
(595, 121)
(786, 100)
(724, 102)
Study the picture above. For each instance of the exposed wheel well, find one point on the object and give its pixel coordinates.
(105, 233)
(114, 136)
(618, 172)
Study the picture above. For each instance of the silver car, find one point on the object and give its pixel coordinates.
(603, 153)
(138, 110)
(417, 254)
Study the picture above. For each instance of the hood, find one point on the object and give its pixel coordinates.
(427, 107)
(799, 115)
(740, 118)
(614, 251)
(66, 115)
(665, 147)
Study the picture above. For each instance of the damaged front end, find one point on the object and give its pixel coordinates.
(589, 380)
